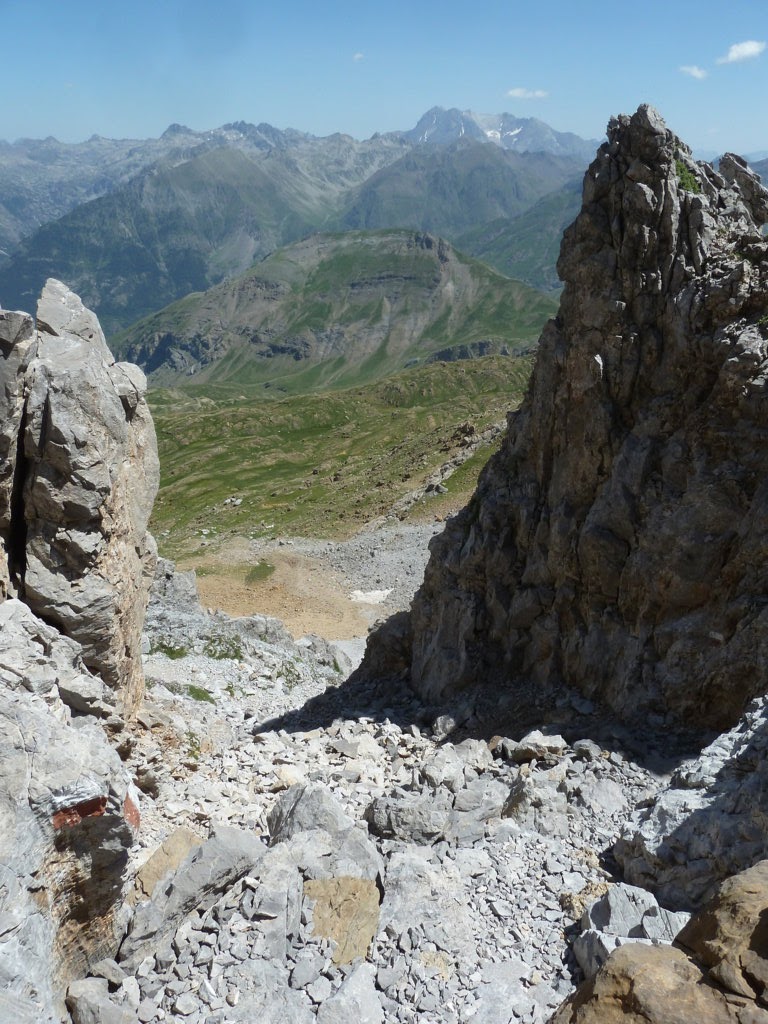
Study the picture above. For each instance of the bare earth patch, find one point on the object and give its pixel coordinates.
(334, 589)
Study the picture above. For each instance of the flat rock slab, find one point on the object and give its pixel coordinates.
(345, 910)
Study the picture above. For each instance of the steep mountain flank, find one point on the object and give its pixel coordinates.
(339, 308)
(451, 189)
(526, 247)
(617, 541)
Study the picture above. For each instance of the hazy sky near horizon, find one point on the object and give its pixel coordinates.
(75, 68)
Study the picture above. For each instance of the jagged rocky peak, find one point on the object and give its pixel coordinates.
(617, 541)
(78, 476)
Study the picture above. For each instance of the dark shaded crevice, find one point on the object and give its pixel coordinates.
(17, 530)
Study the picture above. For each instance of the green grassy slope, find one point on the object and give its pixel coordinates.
(320, 464)
(338, 309)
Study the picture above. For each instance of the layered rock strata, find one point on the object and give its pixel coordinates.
(78, 477)
(616, 542)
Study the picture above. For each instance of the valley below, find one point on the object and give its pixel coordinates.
(374, 663)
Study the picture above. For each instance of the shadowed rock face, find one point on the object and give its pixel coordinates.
(78, 476)
(617, 541)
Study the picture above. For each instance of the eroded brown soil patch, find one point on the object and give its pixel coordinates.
(301, 591)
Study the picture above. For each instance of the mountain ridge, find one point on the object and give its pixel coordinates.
(42, 179)
(186, 223)
(339, 307)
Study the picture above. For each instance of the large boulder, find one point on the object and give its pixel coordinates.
(717, 973)
(650, 985)
(78, 476)
(68, 815)
(617, 541)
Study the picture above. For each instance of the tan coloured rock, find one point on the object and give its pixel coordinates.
(730, 935)
(653, 985)
(347, 911)
(166, 858)
(719, 975)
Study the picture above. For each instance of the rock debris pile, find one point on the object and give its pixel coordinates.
(332, 855)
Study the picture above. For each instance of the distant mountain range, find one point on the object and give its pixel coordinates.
(42, 179)
(339, 309)
(134, 225)
(521, 134)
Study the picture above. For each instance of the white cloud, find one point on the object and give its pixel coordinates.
(693, 70)
(357, 57)
(742, 51)
(520, 93)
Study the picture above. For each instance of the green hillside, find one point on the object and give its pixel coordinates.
(334, 310)
(527, 247)
(318, 464)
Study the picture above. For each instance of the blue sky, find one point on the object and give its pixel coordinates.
(73, 68)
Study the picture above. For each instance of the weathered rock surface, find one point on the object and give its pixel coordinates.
(68, 815)
(623, 914)
(617, 540)
(709, 823)
(730, 935)
(202, 876)
(78, 476)
(718, 973)
(466, 925)
(651, 985)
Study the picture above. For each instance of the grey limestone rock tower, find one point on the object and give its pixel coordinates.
(618, 541)
(78, 477)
